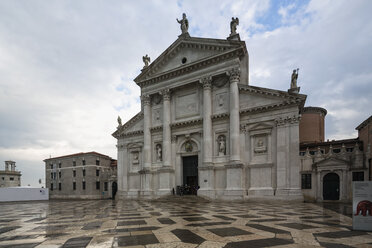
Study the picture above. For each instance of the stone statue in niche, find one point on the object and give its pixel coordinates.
(158, 153)
(221, 145)
(135, 157)
(260, 146)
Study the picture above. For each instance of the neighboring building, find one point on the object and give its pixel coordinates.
(328, 168)
(89, 175)
(365, 135)
(201, 124)
(10, 177)
(312, 124)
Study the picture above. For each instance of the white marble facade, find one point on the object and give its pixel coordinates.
(197, 101)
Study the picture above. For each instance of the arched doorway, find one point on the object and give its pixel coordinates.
(331, 187)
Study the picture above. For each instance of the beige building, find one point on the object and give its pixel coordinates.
(10, 177)
(203, 125)
(89, 175)
(328, 168)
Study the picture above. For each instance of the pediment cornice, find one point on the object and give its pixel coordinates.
(197, 65)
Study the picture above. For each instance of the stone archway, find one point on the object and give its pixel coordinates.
(331, 187)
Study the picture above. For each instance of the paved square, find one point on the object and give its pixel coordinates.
(176, 222)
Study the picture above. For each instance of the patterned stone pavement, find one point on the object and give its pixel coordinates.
(175, 222)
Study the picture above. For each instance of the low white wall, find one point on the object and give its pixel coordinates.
(23, 194)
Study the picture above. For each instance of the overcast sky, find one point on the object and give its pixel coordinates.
(67, 67)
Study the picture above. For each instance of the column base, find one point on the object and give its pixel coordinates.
(163, 192)
(209, 193)
(233, 194)
(289, 194)
(258, 192)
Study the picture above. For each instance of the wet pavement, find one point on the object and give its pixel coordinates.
(177, 222)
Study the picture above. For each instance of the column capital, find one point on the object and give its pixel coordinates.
(234, 74)
(166, 93)
(206, 82)
(146, 99)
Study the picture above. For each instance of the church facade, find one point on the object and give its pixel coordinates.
(203, 125)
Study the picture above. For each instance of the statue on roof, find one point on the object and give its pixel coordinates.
(119, 121)
(184, 24)
(294, 79)
(234, 22)
(146, 60)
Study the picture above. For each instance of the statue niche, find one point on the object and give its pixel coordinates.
(158, 153)
(221, 141)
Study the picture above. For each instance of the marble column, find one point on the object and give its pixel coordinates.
(207, 120)
(165, 171)
(146, 131)
(234, 115)
(234, 170)
(166, 128)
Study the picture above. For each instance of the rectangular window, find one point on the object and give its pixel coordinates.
(59, 165)
(74, 185)
(83, 161)
(73, 163)
(83, 172)
(51, 175)
(59, 186)
(54, 175)
(74, 173)
(98, 185)
(51, 186)
(11, 178)
(97, 173)
(306, 181)
(106, 186)
(51, 166)
(84, 185)
(97, 161)
(358, 176)
(59, 174)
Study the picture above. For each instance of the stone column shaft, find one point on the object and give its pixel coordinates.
(146, 131)
(166, 129)
(207, 121)
(234, 115)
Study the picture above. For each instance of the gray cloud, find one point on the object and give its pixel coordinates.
(67, 67)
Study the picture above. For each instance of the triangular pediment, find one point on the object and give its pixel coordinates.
(331, 162)
(187, 51)
(255, 97)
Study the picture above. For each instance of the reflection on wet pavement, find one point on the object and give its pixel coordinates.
(177, 222)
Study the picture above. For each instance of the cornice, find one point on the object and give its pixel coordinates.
(200, 64)
(156, 129)
(186, 123)
(131, 134)
(265, 108)
(221, 116)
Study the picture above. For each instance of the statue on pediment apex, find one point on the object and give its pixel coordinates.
(234, 22)
(184, 24)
